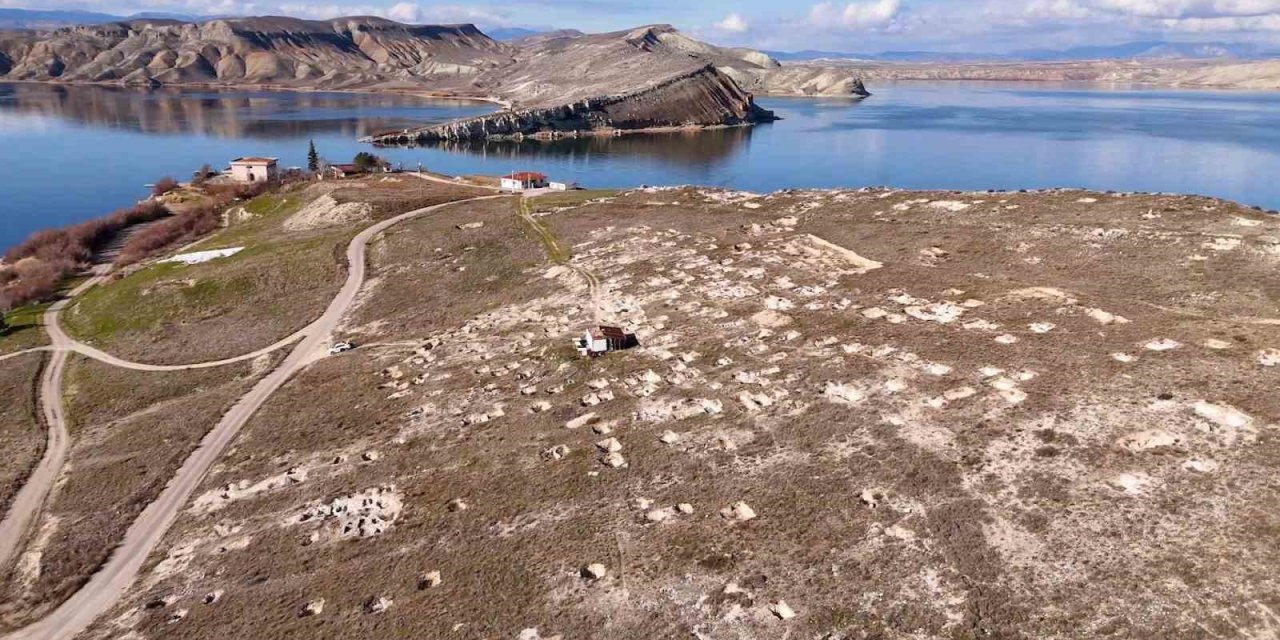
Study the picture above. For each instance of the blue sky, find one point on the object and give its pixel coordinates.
(862, 25)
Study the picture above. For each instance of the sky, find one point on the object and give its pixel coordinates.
(861, 26)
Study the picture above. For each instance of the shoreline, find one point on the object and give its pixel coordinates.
(577, 134)
(264, 87)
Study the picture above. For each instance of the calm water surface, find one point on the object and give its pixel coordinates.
(72, 153)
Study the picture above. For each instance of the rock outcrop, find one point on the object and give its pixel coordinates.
(703, 97)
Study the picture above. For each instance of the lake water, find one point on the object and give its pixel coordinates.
(71, 153)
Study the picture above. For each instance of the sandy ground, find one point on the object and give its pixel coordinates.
(853, 414)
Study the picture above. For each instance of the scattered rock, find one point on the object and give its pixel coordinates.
(782, 610)
(595, 571)
(457, 504)
(467, 226)
(1162, 344)
(1147, 440)
(360, 515)
(669, 437)
(871, 498)
(685, 508)
(739, 511)
(1133, 483)
(660, 515)
(429, 580)
(212, 597)
(371, 456)
(610, 445)
(377, 605)
(580, 421)
(1224, 415)
(613, 459)
(1105, 317)
(1269, 357)
(841, 393)
(558, 452)
(313, 608)
(1201, 465)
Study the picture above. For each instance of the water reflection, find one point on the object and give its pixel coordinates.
(107, 143)
(689, 149)
(228, 114)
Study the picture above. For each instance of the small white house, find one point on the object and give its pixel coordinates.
(254, 169)
(562, 186)
(523, 180)
(600, 340)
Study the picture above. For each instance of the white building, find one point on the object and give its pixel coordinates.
(520, 181)
(562, 186)
(254, 169)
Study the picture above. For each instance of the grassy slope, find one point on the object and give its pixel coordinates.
(130, 431)
(24, 329)
(21, 437)
(280, 282)
(175, 313)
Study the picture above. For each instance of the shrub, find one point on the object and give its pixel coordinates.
(45, 257)
(202, 175)
(229, 191)
(179, 229)
(366, 161)
(164, 185)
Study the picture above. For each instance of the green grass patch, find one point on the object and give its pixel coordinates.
(553, 201)
(268, 211)
(24, 330)
(164, 293)
(555, 250)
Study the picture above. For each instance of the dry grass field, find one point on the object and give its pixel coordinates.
(21, 436)
(23, 331)
(291, 265)
(853, 414)
(130, 431)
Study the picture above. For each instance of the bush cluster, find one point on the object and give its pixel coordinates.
(37, 264)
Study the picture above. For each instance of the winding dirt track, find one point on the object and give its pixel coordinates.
(26, 505)
(107, 585)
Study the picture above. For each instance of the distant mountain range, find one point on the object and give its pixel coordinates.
(1151, 50)
(1142, 50)
(52, 19)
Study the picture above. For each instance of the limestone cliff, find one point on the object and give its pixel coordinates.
(341, 53)
(752, 70)
(701, 97)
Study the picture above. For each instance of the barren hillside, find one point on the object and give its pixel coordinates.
(852, 414)
(1209, 74)
(344, 52)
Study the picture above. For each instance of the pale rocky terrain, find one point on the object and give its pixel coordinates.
(1263, 75)
(853, 414)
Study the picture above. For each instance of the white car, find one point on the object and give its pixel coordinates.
(340, 347)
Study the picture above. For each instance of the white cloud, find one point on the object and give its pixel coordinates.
(1174, 9)
(1057, 10)
(855, 16)
(404, 12)
(732, 23)
(1228, 24)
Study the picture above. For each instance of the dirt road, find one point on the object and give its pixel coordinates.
(113, 578)
(26, 505)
